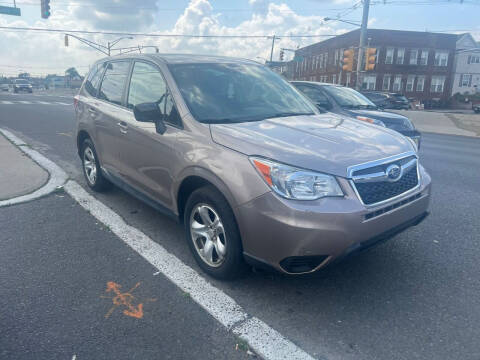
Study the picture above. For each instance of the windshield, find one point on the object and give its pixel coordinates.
(226, 93)
(21, 81)
(349, 98)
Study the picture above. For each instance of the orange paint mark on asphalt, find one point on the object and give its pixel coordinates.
(125, 299)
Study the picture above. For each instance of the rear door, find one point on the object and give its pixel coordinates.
(108, 111)
(147, 156)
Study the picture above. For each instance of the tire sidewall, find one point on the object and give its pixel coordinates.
(233, 265)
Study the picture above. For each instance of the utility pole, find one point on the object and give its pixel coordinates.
(271, 51)
(363, 38)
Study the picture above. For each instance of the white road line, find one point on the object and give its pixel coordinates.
(61, 103)
(24, 102)
(265, 341)
(57, 178)
(4, 102)
(43, 102)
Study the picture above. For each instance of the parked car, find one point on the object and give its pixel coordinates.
(476, 108)
(250, 166)
(22, 85)
(387, 100)
(349, 102)
(4, 87)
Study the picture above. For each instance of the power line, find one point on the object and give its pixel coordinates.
(116, 33)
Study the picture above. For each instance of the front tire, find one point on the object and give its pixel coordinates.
(212, 234)
(91, 168)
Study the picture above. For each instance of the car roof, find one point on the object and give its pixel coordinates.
(182, 58)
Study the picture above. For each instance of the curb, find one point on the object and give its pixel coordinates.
(57, 177)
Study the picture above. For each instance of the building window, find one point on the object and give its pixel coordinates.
(465, 80)
(413, 56)
(335, 61)
(325, 60)
(410, 81)
(389, 56)
(348, 79)
(420, 83)
(400, 55)
(334, 78)
(424, 57)
(369, 82)
(397, 83)
(473, 59)
(437, 84)
(441, 58)
(386, 82)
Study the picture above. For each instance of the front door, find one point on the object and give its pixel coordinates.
(147, 156)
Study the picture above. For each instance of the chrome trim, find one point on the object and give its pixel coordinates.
(352, 169)
(383, 176)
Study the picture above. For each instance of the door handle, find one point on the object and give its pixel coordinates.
(123, 127)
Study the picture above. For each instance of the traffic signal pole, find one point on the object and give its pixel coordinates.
(363, 38)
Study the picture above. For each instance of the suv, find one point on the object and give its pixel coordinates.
(386, 100)
(22, 85)
(346, 101)
(249, 165)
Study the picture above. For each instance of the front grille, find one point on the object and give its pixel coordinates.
(372, 191)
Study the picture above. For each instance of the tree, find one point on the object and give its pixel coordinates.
(72, 73)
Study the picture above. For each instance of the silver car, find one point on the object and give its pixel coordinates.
(255, 172)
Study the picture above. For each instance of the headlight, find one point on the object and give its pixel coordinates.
(294, 183)
(371, 121)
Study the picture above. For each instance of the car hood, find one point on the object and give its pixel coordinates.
(327, 143)
(391, 120)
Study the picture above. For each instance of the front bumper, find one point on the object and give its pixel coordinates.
(304, 236)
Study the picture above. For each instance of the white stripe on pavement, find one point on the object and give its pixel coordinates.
(265, 341)
(62, 103)
(24, 102)
(43, 102)
(4, 102)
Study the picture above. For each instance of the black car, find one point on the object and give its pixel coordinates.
(22, 85)
(386, 100)
(476, 108)
(346, 101)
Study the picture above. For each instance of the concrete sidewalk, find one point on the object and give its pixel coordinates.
(19, 175)
(444, 123)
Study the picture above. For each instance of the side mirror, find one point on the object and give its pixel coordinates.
(149, 112)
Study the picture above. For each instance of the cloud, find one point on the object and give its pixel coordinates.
(42, 53)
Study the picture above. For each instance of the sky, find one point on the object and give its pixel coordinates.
(41, 53)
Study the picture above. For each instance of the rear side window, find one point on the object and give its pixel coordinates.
(93, 79)
(114, 81)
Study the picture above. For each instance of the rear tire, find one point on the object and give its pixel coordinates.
(212, 234)
(91, 168)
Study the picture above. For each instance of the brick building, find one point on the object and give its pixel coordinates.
(417, 64)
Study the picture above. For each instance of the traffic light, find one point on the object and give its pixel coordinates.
(370, 58)
(348, 60)
(66, 40)
(45, 8)
(281, 55)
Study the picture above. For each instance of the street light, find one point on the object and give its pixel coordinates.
(345, 21)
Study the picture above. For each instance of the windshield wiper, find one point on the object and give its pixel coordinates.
(285, 114)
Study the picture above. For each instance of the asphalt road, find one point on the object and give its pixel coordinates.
(414, 297)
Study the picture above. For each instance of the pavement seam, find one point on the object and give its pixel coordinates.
(57, 177)
(261, 338)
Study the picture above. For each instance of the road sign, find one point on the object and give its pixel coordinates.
(8, 10)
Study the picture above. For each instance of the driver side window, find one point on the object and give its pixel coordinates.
(315, 94)
(146, 86)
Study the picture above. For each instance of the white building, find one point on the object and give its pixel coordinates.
(467, 66)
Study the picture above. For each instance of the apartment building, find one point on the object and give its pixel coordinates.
(466, 78)
(417, 64)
